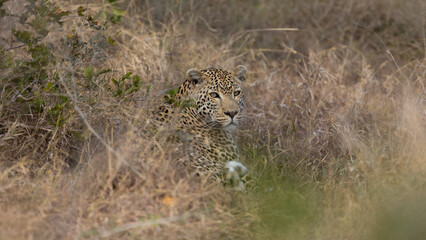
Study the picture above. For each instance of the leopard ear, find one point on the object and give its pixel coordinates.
(194, 75)
(240, 73)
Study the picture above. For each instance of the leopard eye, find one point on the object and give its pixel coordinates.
(214, 95)
(237, 93)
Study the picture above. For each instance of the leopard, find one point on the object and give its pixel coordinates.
(208, 107)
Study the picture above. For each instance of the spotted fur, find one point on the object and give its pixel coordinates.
(218, 102)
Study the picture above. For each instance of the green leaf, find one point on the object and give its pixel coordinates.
(48, 87)
(117, 12)
(24, 36)
(132, 89)
(116, 15)
(115, 82)
(148, 88)
(56, 14)
(172, 92)
(137, 81)
(103, 71)
(41, 55)
(64, 99)
(80, 11)
(119, 92)
(39, 24)
(126, 76)
(23, 18)
(42, 76)
(88, 73)
(147, 70)
(293, 123)
(39, 104)
(42, 10)
(111, 40)
(6, 59)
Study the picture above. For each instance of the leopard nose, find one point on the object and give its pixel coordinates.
(231, 114)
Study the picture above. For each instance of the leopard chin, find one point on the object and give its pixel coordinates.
(231, 126)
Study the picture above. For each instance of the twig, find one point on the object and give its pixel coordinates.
(268, 86)
(207, 24)
(19, 94)
(397, 66)
(271, 29)
(142, 224)
(19, 46)
(30, 127)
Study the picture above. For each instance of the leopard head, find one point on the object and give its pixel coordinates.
(218, 95)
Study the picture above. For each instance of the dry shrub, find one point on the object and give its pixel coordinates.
(334, 133)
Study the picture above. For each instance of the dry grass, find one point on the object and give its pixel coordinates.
(335, 131)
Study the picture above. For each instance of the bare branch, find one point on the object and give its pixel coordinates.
(143, 224)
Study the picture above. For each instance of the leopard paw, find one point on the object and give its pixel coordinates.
(234, 171)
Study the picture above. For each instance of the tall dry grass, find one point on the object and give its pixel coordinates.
(334, 135)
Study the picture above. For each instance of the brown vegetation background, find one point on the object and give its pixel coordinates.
(334, 134)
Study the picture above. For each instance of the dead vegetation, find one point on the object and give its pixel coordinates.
(334, 135)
